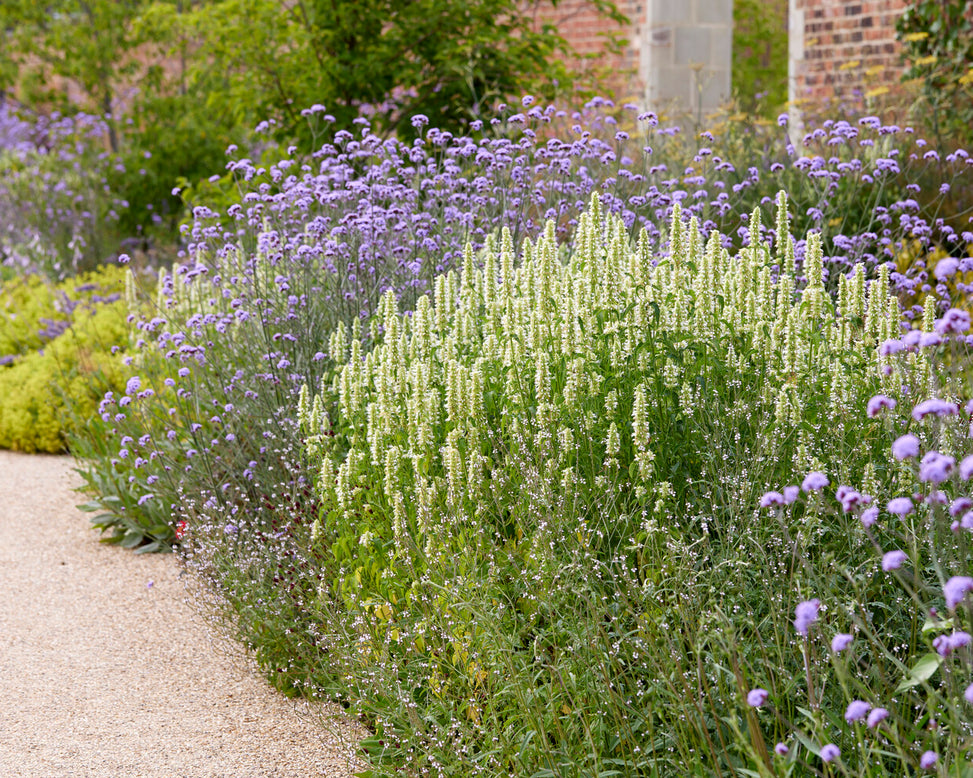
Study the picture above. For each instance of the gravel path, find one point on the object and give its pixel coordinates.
(103, 675)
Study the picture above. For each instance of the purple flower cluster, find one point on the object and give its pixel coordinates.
(56, 204)
(381, 213)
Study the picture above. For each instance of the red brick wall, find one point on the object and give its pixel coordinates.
(849, 48)
(587, 32)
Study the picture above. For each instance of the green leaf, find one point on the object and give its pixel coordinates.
(921, 671)
(937, 625)
(131, 539)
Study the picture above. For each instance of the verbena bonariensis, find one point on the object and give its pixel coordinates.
(381, 213)
(56, 204)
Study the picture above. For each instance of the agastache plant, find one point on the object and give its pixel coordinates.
(554, 373)
(472, 434)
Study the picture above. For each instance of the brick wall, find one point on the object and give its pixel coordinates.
(676, 53)
(843, 49)
(839, 49)
(588, 32)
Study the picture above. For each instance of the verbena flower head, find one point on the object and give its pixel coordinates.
(928, 760)
(877, 403)
(934, 407)
(857, 710)
(876, 717)
(869, 516)
(781, 749)
(960, 504)
(947, 644)
(900, 506)
(966, 468)
(830, 752)
(945, 268)
(935, 467)
(956, 589)
(805, 614)
(849, 498)
(772, 500)
(756, 697)
(905, 447)
(955, 321)
(840, 642)
(893, 560)
(814, 481)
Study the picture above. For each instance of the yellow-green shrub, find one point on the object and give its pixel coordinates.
(44, 390)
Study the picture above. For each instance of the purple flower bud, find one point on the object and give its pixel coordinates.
(781, 749)
(877, 403)
(840, 642)
(966, 468)
(956, 589)
(947, 644)
(805, 614)
(849, 498)
(814, 481)
(857, 710)
(928, 760)
(893, 560)
(869, 516)
(756, 697)
(954, 321)
(934, 407)
(876, 717)
(935, 467)
(772, 500)
(900, 506)
(968, 694)
(830, 752)
(905, 447)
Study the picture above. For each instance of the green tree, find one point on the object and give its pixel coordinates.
(937, 43)
(448, 59)
(88, 43)
(760, 54)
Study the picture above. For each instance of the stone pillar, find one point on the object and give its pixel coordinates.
(686, 57)
(795, 62)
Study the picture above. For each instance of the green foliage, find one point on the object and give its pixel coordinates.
(449, 60)
(537, 494)
(101, 41)
(760, 55)
(937, 39)
(55, 383)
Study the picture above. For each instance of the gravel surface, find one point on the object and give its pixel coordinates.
(105, 670)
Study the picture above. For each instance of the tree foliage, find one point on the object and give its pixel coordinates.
(448, 59)
(183, 79)
(937, 40)
(760, 54)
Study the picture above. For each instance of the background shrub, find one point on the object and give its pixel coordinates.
(58, 343)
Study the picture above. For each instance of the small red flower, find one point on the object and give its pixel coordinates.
(181, 528)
